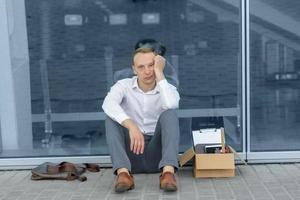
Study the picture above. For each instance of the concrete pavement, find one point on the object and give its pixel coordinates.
(257, 182)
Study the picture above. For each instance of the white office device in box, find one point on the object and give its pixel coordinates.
(207, 136)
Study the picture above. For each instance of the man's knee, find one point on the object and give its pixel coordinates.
(169, 115)
(109, 122)
(112, 127)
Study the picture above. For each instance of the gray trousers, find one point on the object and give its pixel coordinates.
(160, 150)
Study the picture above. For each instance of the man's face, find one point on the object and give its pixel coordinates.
(144, 67)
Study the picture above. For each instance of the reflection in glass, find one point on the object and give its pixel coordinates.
(275, 75)
(75, 48)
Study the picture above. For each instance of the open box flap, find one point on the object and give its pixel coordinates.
(186, 156)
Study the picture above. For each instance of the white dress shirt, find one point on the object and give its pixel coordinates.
(126, 100)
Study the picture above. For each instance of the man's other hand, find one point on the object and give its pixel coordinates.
(137, 142)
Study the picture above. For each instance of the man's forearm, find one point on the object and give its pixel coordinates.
(159, 75)
(169, 95)
(114, 111)
(159, 66)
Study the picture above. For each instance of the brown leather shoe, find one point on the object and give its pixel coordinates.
(124, 182)
(168, 182)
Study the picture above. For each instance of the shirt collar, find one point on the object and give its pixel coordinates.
(136, 86)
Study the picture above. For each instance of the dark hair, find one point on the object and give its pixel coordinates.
(153, 44)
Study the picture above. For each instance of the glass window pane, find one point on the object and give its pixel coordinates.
(275, 75)
(78, 48)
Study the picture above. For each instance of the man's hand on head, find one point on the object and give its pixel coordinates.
(159, 65)
(137, 142)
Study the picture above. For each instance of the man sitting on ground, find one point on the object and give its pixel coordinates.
(142, 128)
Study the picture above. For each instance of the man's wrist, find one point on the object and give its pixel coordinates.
(159, 76)
(129, 124)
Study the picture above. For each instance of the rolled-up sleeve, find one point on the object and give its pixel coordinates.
(112, 101)
(169, 95)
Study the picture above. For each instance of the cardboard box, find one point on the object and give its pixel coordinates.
(210, 164)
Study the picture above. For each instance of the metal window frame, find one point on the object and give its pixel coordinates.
(244, 78)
